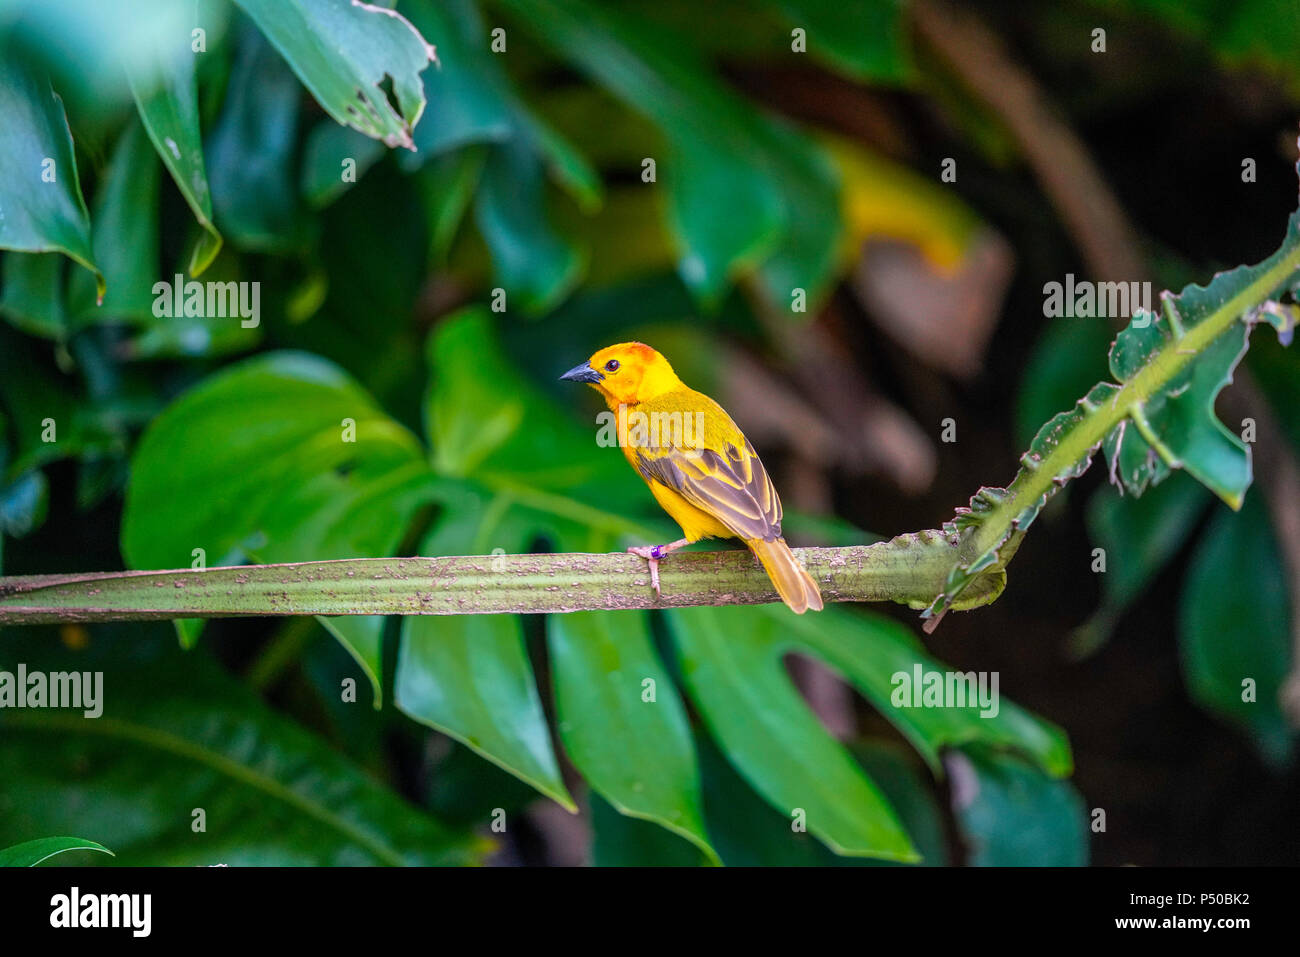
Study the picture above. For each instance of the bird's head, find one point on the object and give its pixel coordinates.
(629, 372)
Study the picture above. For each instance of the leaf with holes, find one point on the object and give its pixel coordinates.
(342, 53)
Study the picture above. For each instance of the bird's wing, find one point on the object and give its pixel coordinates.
(730, 485)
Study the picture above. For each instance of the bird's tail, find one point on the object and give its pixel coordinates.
(793, 583)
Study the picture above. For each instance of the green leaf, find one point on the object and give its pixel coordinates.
(126, 235)
(469, 92)
(636, 753)
(40, 214)
(808, 253)
(1274, 367)
(334, 158)
(1068, 358)
(343, 52)
(290, 481)
(534, 264)
(1012, 815)
(169, 108)
(486, 421)
(708, 175)
(866, 41)
(89, 46)
(4, 456)
(31, 853)
(33, 294)
(1235, 625)
(872, 651)
(466, 791)
(621, 841)
(251, 149)
(476, 104)
(903, 779)
(749, 704)
(469, 677)
(749, 833)
(368, 273)
(50, 420)
(569, 167)
(1175, 426)
(722, 153)
(177, 734)
(209, 331)
(447, 186)
(730, 661)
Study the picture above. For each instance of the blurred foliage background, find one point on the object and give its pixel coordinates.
(757, 188)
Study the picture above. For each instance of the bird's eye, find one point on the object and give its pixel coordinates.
(611, 365)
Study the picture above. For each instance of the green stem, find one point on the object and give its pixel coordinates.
(1031, 485)
(910, 569)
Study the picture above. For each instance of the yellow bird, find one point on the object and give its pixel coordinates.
(698, 464)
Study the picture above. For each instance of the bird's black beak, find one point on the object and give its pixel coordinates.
(582, 373)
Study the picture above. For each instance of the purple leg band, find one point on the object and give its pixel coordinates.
(657, 552)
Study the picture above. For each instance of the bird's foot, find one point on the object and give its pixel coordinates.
(652, 554)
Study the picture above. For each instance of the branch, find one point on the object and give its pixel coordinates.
(1155, 371)
(1109, 244)
(910, 569)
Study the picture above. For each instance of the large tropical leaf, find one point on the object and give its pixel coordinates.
(308, 468)
(185, 766)
(622, 721)
(731, 661)
(470, 677)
